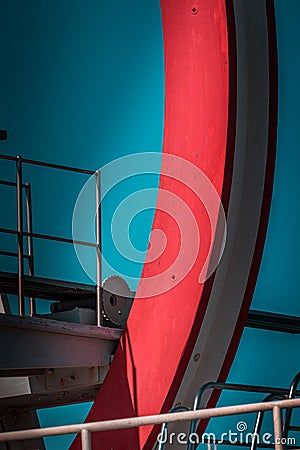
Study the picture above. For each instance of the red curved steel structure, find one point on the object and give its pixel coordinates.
(220, 115)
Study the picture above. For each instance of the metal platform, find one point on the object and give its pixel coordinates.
(49, 363)
(79, 294)
(36, 343)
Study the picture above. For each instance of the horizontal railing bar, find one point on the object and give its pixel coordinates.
(59, 239)
(11, 183)
(15, 255)
(8, 157)
(255, 389)
(58, 166)
(133, 422)
(8, 231)
(50, 165)
(48, 237)
(294, 428)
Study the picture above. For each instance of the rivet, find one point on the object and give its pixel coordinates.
(196, 357)
(194, 10)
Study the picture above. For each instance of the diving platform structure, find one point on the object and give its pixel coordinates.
(221, 104)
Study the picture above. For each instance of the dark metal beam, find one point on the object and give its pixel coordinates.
(273, 322)
(67, 291)
(46, 288)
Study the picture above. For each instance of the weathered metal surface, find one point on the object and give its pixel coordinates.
(51, 388)
(20, 420)
(33, 343)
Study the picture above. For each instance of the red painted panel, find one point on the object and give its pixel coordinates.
(155, 347)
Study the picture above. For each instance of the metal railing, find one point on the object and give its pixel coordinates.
(133, 422)
(29, 256)
(20, 232)
(164, 428)
(288, 416)
(260, 418)
(273, 393)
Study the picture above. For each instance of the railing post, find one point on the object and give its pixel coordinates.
(21, 303)
(98, 250)
(288, 411)
(277, 427)
(86, 443)
(32, 302)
